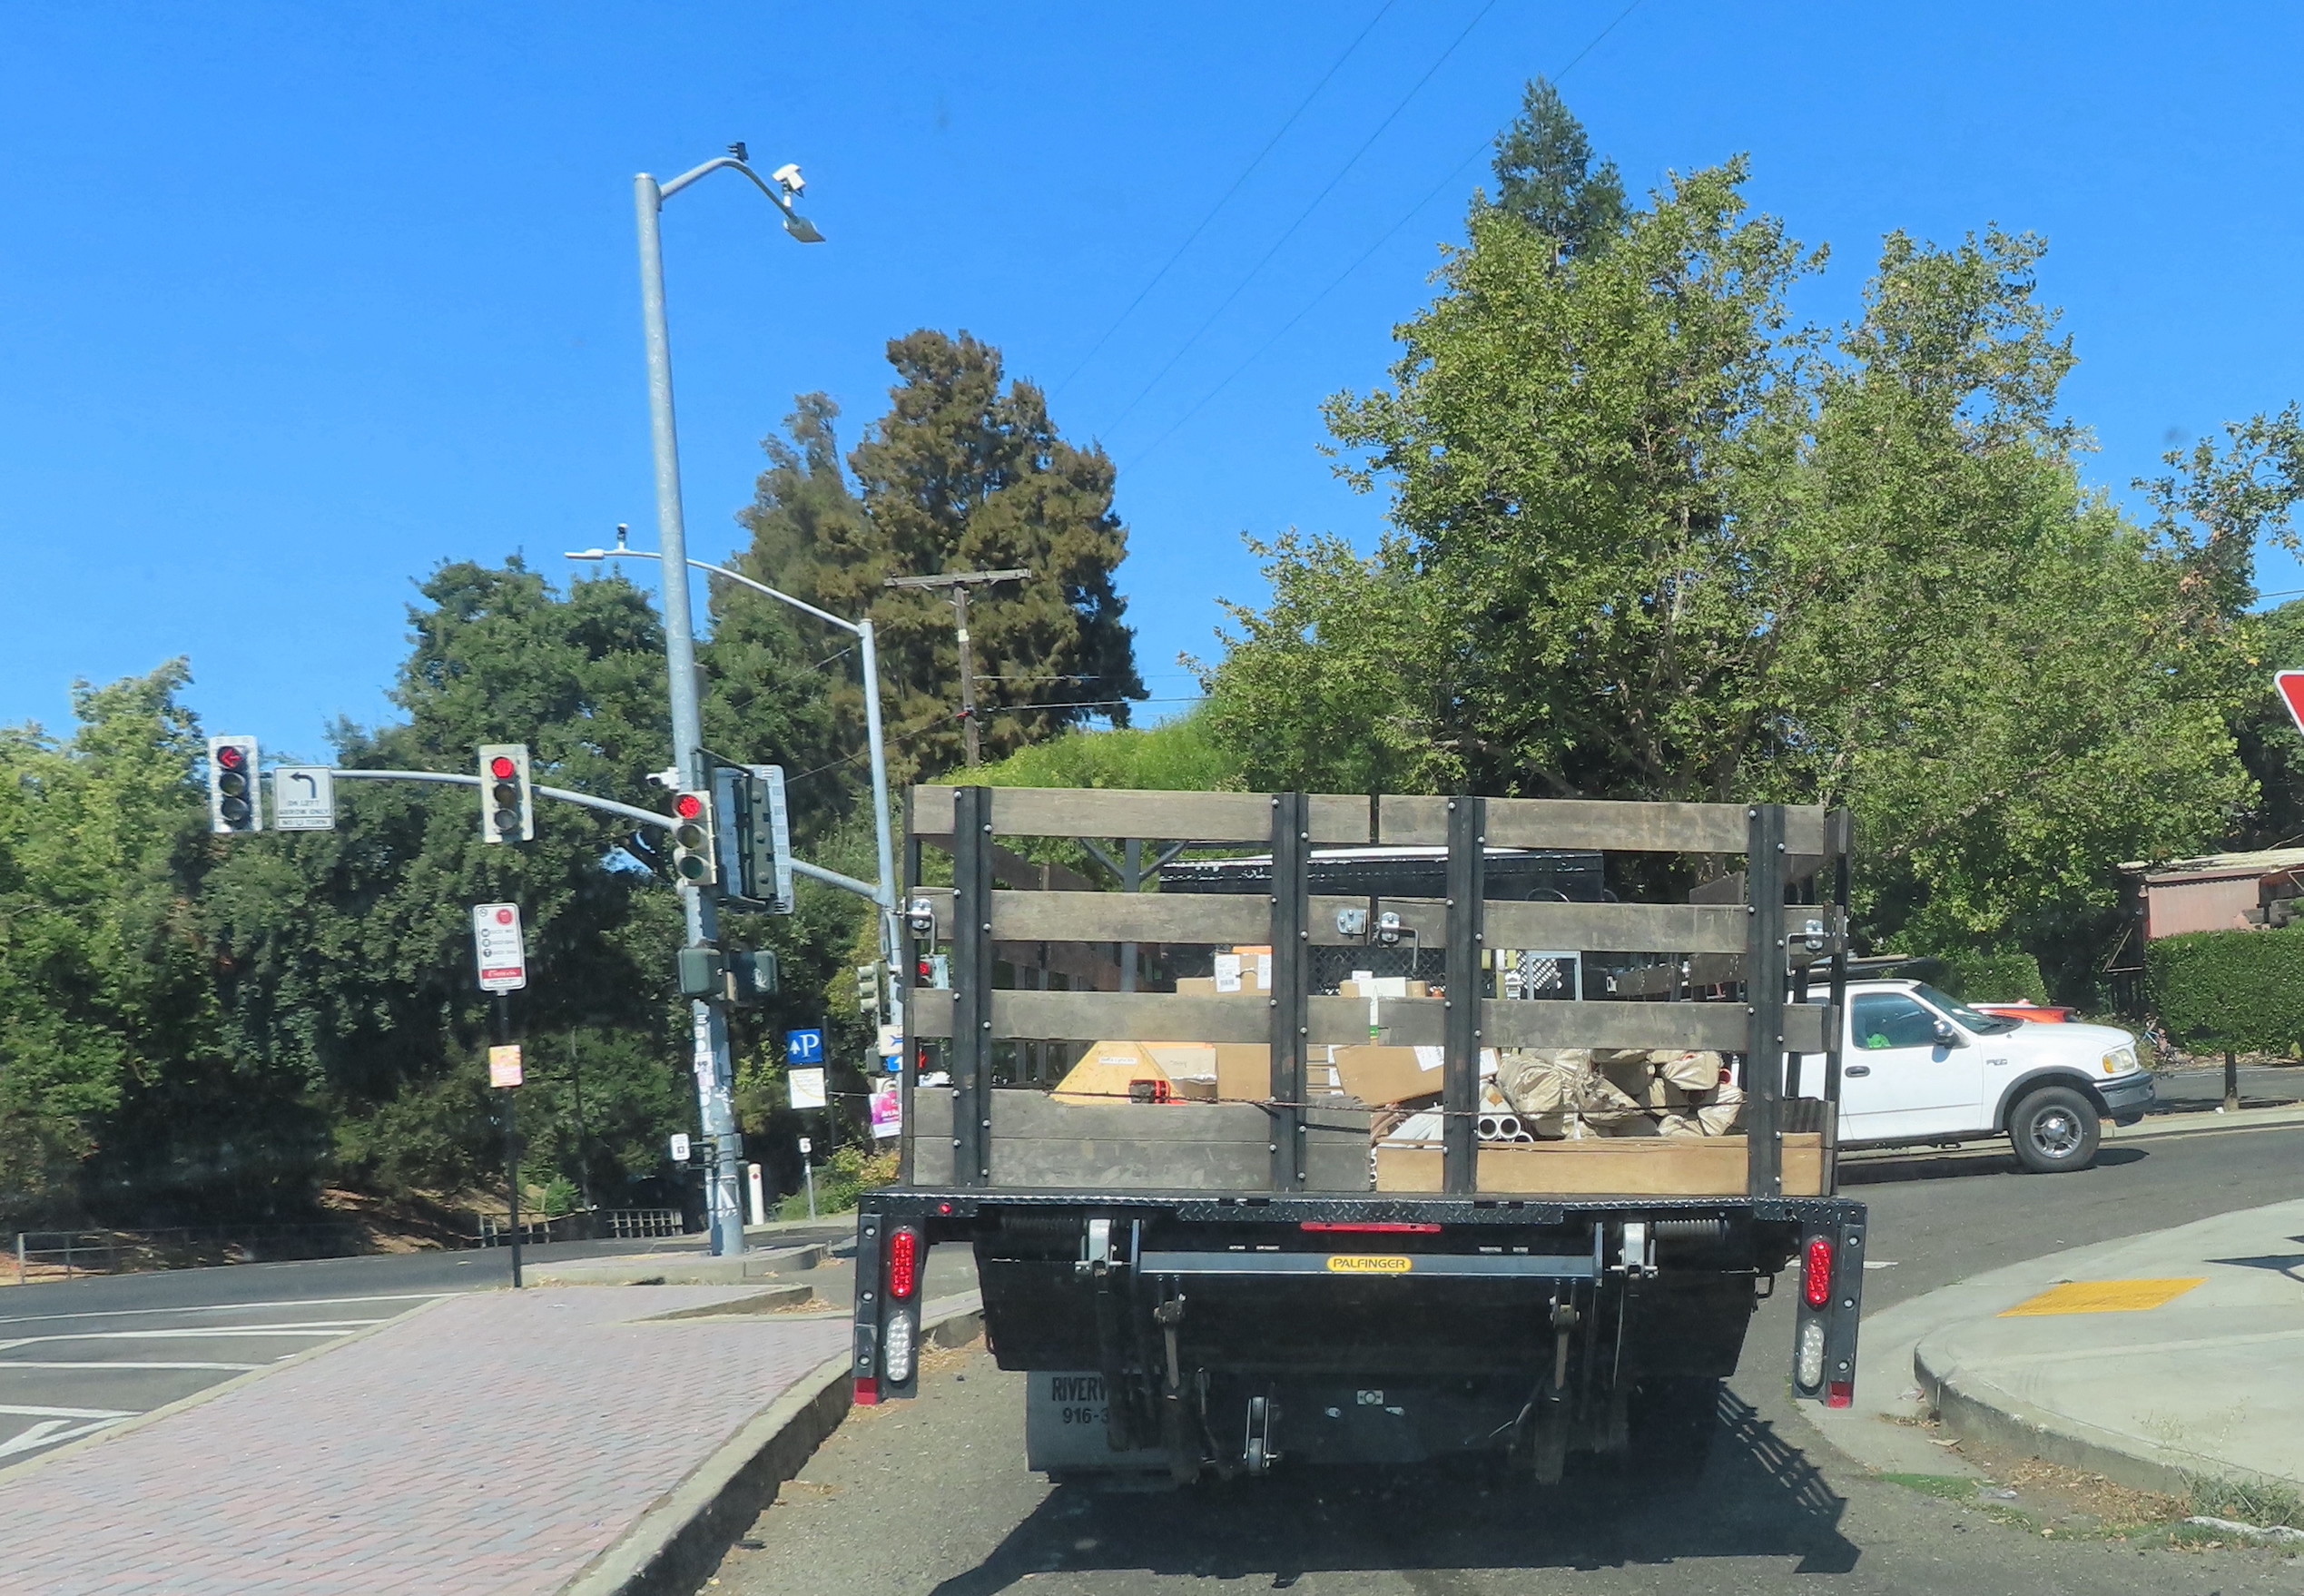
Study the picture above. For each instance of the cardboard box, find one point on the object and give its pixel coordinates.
(1244, 1072)
(1385, 985)
(1107, 1070)
(1382, 1077)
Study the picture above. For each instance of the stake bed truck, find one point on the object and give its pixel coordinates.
(1275, 1277)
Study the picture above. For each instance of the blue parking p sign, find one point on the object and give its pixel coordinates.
(803, 1047)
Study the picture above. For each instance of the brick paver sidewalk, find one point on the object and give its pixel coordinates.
(494, 1443)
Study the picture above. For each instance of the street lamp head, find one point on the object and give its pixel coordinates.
(800, 227)
(585, 553)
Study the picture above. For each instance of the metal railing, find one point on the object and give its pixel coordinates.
(594, 1224)
(47, 1253)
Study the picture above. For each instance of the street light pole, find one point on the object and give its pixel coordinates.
(714, 1070)
(884, 895)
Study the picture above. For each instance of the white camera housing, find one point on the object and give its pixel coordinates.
(788, 177)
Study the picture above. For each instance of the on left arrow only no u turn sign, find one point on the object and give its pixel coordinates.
(498, 948)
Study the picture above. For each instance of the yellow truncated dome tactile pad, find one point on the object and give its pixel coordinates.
(2102, 1296)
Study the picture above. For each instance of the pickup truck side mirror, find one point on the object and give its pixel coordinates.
(1945, 1036)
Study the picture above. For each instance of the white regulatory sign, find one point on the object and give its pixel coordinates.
(679, 1147)
(807, 1087)
(497, 947)
(304, 798)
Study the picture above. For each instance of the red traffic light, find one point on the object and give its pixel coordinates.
(502, 767)
(688, 805)
(231, 756)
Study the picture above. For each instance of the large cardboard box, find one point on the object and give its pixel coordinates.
(1244, 1072)
(1381, 1076)
(1106, 1071)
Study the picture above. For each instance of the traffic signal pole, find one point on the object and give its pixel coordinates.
(714, 1070)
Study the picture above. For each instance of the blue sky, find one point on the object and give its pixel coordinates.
(298, 300)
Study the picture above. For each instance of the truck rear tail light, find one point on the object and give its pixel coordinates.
(896, 1358)
(867, 1391)
(1841, 1394)
(1816, 1273)
(1372, 1227)
(903, 1264)
(1807, 1370)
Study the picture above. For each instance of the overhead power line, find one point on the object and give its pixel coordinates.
(1383, 237)
(1302, 216)
(1223, 199)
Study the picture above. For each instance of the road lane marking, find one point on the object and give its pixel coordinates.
(224, 1307)
(20, 1410)
(2102, 1297)
(205, 1333)
(7, 1364)
(55, 1433)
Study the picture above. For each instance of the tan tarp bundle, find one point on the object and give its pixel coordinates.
(1573, 1092)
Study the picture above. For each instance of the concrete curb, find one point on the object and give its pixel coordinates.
(1977, 1409)
(645, 1269)
(2209, 1120)
(675, 1544)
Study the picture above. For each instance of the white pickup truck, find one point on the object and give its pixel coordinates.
(1922, 1068)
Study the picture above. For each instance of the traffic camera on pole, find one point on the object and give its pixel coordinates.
(695, 848)
(232, 768)
(508, 803)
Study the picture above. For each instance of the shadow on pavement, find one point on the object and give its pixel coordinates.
(1759, 1496)
(1927, 1163)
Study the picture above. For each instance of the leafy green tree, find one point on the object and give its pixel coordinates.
(1546, 179)
(117, 1095)
(965, 472)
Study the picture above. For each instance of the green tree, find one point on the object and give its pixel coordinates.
(1546, 179)
(965, 472)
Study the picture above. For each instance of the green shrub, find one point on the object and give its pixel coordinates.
(1976, 975)
(844, 1177)
(2240, 991)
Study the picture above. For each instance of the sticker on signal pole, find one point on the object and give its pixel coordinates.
(807, 1089)
(504, 1065)
(888, 1111)
(304, 798)
(497, 946)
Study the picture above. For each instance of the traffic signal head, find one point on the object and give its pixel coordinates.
(508, 803)
(868, 988)
(695, 852)
(232, 805)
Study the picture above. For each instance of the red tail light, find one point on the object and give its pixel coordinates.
(903, 1264)
(1815, 1272)
(867, 1392)
(1840, 1394)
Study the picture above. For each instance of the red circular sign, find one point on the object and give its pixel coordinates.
(504, 917)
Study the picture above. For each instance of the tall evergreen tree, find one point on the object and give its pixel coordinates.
(1546, 179)
(965, 472)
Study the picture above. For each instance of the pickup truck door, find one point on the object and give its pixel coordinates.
(1898, 1080)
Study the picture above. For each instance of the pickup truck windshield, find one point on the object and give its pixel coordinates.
(1968, 1019)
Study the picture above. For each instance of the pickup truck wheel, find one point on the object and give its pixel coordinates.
(2054, 1129)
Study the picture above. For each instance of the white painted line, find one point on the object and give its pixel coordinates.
(98, 1366)
(224, 1307)
(205, 1333)
(53, 1433)
(67, 1413)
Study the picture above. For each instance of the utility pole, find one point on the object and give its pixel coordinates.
(958, 583)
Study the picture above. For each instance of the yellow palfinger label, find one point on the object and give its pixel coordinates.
(1369, 1264)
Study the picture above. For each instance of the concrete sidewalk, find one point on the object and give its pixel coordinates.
(498, 1441)
(2150, 1360)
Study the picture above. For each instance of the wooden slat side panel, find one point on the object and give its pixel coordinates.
(1413, 821)
(1064, 812)
(1139, 1017)
(1637, 827)
(1339, 819)
(1618, 928)
(1131, 917)
(928, 1013)
(1720, 1027)
(1609, 1166)
(932, 812)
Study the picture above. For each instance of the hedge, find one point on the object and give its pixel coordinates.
(2238, 991)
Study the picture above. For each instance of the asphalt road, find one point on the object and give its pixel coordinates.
(79, 1357)
(931, 1498)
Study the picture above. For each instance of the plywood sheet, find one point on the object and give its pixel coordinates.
(1609, 1166)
